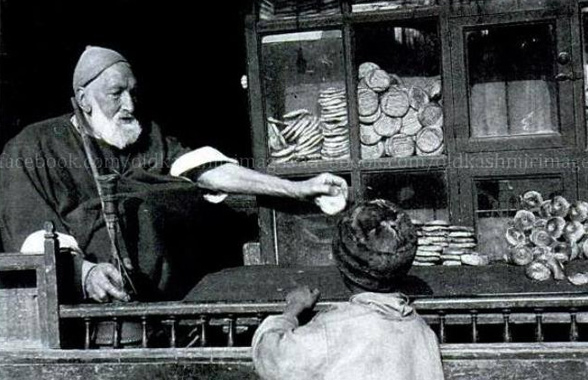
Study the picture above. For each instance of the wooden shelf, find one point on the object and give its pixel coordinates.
(311, 167)
(303, 23)
(403, 164)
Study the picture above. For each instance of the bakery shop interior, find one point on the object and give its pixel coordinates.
(464, 124)
(471, 116)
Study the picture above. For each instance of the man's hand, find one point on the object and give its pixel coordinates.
(104, 283)
(300, 299)
(324, 184)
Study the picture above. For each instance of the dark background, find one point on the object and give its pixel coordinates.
(188, 56)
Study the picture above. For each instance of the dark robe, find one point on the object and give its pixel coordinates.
(45, 176)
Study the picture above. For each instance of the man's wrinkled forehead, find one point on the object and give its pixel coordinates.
(118, 76)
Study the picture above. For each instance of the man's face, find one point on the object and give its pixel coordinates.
(112, 99)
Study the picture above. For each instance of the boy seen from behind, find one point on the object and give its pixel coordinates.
(377, 334)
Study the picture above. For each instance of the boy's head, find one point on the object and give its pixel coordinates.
(375, 245)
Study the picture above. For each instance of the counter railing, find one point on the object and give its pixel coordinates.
(508, 319)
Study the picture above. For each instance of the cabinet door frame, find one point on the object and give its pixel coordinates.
(565, 87)
(537, 165)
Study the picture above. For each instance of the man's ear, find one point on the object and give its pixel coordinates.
(82, 100)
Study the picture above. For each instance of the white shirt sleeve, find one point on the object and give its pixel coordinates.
(35, 244)
(198, 158)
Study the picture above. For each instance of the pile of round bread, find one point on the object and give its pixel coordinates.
(546, 234)
(298, 137)
(302, 136)
(440, 243)
(397, 120)
(335, 124)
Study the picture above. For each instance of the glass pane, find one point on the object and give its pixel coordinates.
(399, 90)
(371, 6)
(304, 237)
(292, 9)
(305, 96)
(304, 234)
(422, 195)
(498, 200)
(511, 80)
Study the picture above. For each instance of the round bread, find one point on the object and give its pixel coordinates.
(417, 97)
(431, 115)
(331, 204)
(475, 260)
(578, 279)
(370, 119)
(435, 89)
(387, 126)
(372, 152)
(368, 135)
(578, 211)
(524, 220)
(429, 139)
(521, 255)
(560, 206)
(378, 80)
(531, 200)
(367, 101)
(400, 146)
(366, 68)
(410, 123)
(538, 271)
(395, 103)
(437, 152)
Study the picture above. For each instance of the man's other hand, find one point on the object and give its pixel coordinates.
(300, 299)
(325, 184)
(104, 283)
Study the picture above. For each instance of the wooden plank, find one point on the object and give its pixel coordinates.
(47, 275)
(289, 26)
(256, 104)
(395, 14)
(19, 261)
(499, 302)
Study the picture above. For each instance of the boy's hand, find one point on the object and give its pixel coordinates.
(300, 299)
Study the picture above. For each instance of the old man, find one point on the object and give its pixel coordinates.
(51, 171)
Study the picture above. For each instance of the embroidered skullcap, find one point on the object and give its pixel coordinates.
(93, 61)
(375, 245)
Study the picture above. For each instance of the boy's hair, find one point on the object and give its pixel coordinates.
(375, 245)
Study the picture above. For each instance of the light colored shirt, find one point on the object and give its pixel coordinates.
(374, 336)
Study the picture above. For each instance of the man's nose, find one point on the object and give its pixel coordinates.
(127, 102)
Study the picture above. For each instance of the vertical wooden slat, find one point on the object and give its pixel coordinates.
(115, 333)
(231, 332)
(144, 339)
(506, 335)
(172, 334)
(87, 337)
(574, 332)
(442, 337)
(47, 289)
(539, 326)
(474, 317)
(203, 333)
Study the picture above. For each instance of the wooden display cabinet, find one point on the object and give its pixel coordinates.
(506, 78)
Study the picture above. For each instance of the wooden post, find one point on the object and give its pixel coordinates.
(47, 288)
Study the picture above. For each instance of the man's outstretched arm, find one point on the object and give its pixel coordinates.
(231, 178)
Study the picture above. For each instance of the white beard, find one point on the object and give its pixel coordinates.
(115, 131)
